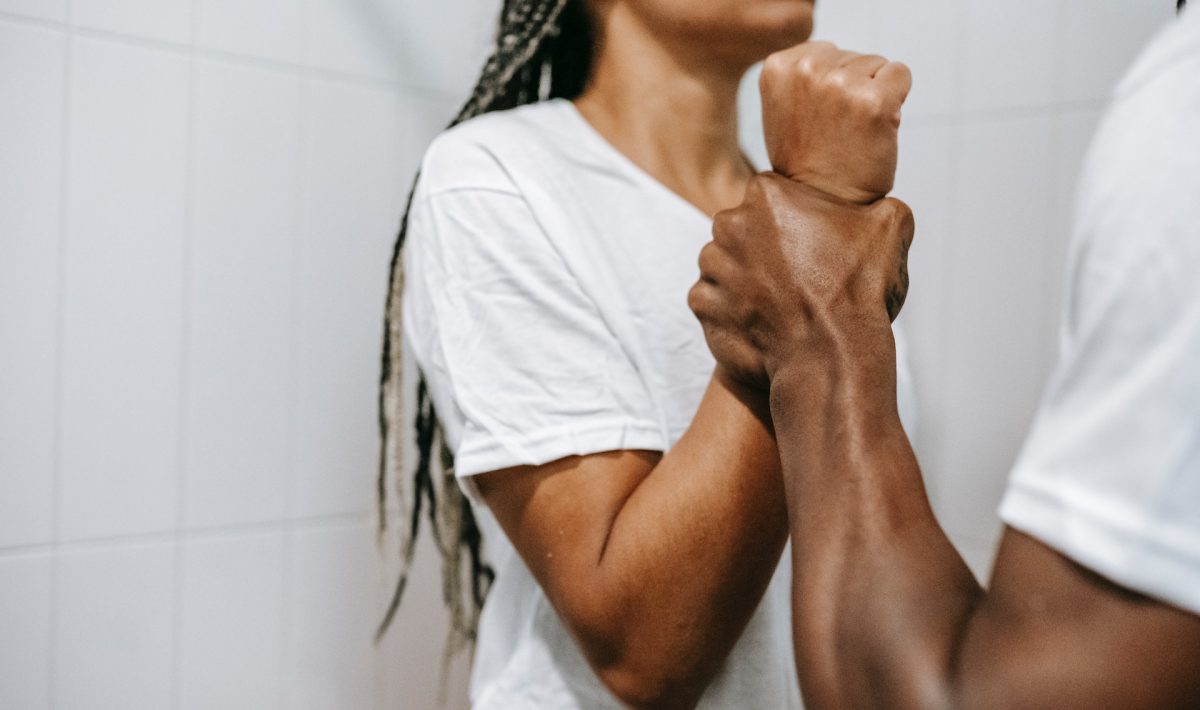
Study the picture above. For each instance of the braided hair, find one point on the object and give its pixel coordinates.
(543, 50)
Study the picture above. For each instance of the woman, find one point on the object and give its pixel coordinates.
(630, 496)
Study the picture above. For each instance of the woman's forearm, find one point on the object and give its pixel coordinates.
(689, 555)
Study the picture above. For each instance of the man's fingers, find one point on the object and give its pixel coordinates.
(729, 225)
(712, 263)
(898, 228)
(699, 298)
(897, 213)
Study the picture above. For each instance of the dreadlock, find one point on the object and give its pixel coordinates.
(543, 50)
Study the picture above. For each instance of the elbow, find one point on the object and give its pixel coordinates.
(644, 688)
(643, 665)
(644, 674)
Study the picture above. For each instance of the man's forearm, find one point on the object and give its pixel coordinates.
(880, 597)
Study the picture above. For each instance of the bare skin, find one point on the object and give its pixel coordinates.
(655, 562)
(796, 296)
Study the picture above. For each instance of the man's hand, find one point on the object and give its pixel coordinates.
(831, 118)
(793, 273)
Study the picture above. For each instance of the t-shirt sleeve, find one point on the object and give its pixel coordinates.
(1110, 474)
(520, 363)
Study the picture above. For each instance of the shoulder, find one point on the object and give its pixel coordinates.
(1137, 191)
(490, 152)
(1167, 58)
(1150, 126)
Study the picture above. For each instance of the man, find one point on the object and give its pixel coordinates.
(1094, 600)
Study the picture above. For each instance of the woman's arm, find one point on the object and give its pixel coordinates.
(655, 562)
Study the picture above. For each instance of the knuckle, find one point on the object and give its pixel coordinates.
(808, 65)
(726, 225)
(708, 258)
(902, 214)
(901, 70)
(839, 79)
(895, 218)
(872, 101)
(781, 69)
(696, 299)
(757, 188)
(775, 64)
(893, 212)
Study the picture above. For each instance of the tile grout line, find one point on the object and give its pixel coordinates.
(183, 434)
(200, 534)
(338, 76)
(283, 697)
(59, 360)
(953, 222)
(1051, 276)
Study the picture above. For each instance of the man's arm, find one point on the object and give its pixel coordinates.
(887, 614)
(655, 562)
(793, 295)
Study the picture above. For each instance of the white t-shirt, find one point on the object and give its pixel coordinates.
(546, 303)
(1110, 475)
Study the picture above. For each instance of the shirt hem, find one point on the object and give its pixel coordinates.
(541, 447)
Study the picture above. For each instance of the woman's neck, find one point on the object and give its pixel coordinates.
(673, 115)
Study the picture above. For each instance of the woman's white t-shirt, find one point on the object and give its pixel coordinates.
(546, 303)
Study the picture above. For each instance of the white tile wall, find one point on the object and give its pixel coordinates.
(1009, 53)
(329, 614)
(115, 610)
(32, 67)
(353, 198)
(928, 37)
(848, 24)
(995, 313)
(245, 202)
(26, 596)
(424, 60)
(925, 180)
(268, 29)
(190, 336)
(42, 9)
(193, 250)
(415, 644)
(1121, 28)
(362, 37)
(166, 20)
(126, 205)
(230, 651)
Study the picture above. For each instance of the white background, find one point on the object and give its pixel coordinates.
(197, 203)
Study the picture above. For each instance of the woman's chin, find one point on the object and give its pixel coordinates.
(780, 26)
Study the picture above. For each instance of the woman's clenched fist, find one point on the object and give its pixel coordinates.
(831, 118)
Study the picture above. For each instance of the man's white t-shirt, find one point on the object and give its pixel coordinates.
(546, 303)
(1110, 475)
